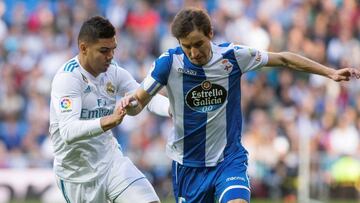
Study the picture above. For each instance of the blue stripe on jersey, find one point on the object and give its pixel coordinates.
(69, 64)
(73, 67)
(226, 44)
(152, 87)
(194, 146)
(63, 191)
(163, 66)
(233, 108)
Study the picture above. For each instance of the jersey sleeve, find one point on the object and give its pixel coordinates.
(158, 74)
(67, 102)
(249, 58)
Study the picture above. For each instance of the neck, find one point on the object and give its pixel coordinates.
(86, 65)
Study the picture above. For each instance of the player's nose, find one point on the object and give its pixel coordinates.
(195, 53)
(110, 55)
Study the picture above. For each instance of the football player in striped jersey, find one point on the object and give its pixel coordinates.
(203, 84)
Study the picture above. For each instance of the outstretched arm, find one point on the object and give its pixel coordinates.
(300, 63)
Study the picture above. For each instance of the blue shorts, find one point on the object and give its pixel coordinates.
(224, 182)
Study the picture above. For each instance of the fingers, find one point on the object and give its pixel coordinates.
(355, 73)
(127, 101)
(347, 73)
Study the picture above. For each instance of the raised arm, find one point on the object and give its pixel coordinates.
(300, 63)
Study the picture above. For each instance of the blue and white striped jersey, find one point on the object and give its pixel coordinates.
(205, 101)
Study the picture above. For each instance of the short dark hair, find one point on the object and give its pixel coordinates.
(189, 19)
(96, 27)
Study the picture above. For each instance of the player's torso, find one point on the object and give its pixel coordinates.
(98, 96)
(206, 103)
(84, 160)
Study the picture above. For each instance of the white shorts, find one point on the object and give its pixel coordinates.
(124, 183)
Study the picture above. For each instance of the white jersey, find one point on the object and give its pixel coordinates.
(205, 102)
(78, 101)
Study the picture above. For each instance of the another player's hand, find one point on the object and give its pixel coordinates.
(129, 104)
(345, 74)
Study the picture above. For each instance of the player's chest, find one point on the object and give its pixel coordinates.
(99, 94)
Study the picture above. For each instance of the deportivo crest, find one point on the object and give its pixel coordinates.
(227, 65)
(206, 97)
(110, 88)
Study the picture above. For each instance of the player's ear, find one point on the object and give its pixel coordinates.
(82, 48)
(211, 34)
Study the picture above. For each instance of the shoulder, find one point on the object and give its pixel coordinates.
(68, 75)
(70, 66)
(170, 53)
(117, 71)
(68, 69)
(121, 77)
(222, 48)
(166, 59)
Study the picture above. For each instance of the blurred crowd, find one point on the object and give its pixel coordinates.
(290, 118)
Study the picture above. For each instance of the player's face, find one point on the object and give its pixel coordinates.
(100, 54)
(197, 47)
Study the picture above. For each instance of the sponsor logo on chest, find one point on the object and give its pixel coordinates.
(206, 97)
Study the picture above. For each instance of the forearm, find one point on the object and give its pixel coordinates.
(134, 109)
(80, 130)
(300, 63)
(109, 122)
(138, 102)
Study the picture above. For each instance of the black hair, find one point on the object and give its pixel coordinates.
(95, 28)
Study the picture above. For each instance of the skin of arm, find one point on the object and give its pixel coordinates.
(112, 120)
(300, 63)
(135, 103)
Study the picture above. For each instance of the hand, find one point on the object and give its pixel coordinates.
(118, 115)
(112, 120)
(129, 103)
(345, 74)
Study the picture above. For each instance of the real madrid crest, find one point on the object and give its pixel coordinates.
(110, 88)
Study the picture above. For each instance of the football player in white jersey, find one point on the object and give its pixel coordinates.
(89, 164)
(203, 84)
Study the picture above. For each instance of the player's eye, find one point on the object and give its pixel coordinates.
(104, 51)
(186, 46)
(198, 45)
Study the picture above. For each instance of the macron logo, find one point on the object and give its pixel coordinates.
(235, 178)
(186, 71)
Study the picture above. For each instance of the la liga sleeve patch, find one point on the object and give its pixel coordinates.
(66, 104)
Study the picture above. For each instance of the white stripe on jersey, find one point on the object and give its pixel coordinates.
(176, 139)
